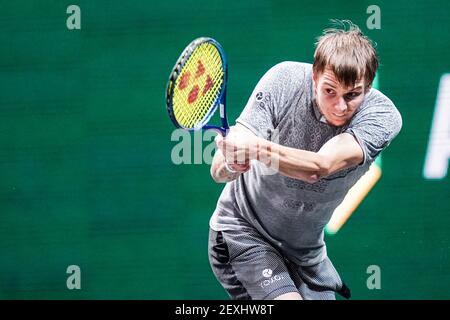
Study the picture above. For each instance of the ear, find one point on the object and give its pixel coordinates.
(314, 79)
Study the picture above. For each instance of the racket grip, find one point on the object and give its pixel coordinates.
(223, 117)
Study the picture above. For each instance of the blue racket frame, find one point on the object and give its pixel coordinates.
(220, 102)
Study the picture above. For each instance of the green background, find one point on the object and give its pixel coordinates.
(86, 176)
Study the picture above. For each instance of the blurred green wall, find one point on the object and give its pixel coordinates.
(86, 176)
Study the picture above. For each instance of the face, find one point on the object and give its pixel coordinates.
(336, 102)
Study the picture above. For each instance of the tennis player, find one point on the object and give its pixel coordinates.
(266, 236)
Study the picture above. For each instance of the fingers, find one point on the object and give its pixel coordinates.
(218, 139)
(234, 147)
(239, 167)
(235, 154)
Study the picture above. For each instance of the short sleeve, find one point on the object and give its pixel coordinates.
(375, 125)
(262, 109)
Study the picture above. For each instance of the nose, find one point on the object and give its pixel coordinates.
(341, 105)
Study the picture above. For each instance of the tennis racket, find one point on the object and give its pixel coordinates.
(197, 86)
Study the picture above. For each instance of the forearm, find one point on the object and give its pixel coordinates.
(295, 163)
(338, 153)
(219, 170)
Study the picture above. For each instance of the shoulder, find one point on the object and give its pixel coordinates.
(376, 103)
(376, 98)
(288, 78)
(291, 70)
(379, 110)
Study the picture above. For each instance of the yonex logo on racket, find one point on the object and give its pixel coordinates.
(196, 89)
(197, 86)
(192, 82)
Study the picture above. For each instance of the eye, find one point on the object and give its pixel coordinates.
(352, 95)
(329, 91)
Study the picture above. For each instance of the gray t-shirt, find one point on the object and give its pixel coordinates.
(291, 213)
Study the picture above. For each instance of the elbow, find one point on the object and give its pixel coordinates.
(323, 166)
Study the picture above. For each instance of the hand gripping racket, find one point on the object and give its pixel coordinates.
(197, 86)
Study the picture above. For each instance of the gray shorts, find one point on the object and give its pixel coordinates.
(249, 268)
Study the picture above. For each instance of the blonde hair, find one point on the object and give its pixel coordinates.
(347, 52)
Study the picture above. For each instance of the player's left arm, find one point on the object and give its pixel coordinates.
(340, 152)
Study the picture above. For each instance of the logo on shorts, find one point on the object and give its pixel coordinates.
(269, 279)
(267, 273)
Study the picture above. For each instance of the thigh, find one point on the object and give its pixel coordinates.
(220, 264)
(257, 265)
(319, 282)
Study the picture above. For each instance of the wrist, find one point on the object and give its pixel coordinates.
(263, 149)
(268, 154)
(256, 147)
(229, 169)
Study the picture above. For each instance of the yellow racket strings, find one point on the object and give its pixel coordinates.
(198, 85)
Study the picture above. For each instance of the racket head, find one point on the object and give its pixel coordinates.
(197, 84)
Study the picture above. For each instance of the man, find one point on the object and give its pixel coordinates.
(266, 235)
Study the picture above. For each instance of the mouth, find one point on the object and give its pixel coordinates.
(339, 115)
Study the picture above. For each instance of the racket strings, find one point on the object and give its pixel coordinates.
(198, 86)
(192, 114)
(195, 112)
(207, 100)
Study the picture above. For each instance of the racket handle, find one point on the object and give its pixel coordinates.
(222, 131)
(223, 117)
